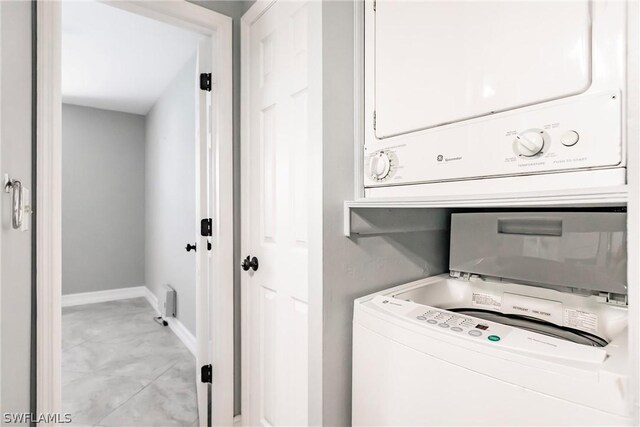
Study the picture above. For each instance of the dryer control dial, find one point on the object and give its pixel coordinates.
(380, 165)
(529, 143)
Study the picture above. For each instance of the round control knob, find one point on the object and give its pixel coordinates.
(380, 165)
(529, 143)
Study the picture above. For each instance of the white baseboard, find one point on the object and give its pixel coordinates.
(176, 326)
(187, 338)
(152, 299)
(70, 300)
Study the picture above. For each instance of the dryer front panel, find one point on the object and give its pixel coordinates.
(439, 62)
(459, 90)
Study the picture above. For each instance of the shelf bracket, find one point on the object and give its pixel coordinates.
(405, 215)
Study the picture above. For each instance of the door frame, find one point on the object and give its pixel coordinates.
(48, 226)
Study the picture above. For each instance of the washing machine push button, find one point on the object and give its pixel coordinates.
(457, 324)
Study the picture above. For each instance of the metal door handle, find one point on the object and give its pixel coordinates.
(249, 263)
(15, 188)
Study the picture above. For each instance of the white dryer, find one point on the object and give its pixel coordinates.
(529, 328)
(528, 94)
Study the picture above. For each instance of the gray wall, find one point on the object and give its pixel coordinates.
(352, 267)
(170, 193)
(103, 212)
(15, 251)
(235, 9)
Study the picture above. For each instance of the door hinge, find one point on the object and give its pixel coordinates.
(374, 120)
(205, 374)
(614, 299)
(205, 81)
(205, 227)
(462, 275)
(374, 5)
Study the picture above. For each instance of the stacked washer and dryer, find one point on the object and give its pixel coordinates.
(530, 325)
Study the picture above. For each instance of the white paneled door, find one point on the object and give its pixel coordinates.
(275, 186)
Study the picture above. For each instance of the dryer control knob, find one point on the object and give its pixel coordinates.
(529, 143)
(380, 165)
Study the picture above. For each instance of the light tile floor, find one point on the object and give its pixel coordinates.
(120, 368)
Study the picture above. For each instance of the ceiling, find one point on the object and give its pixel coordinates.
(116, 60)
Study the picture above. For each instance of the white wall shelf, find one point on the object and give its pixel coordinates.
(591, 197)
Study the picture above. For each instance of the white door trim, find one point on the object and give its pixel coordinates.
(48, 213)
(48, 209)
(1, 207)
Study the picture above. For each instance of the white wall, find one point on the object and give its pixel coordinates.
(103, 204)
(170, 193)
(15, 156)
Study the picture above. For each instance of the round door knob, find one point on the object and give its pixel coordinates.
(190, 247)
(529, 143)
(380, 165)
(250, 263)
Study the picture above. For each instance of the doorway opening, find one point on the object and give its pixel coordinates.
(134, 157)
(129, 95)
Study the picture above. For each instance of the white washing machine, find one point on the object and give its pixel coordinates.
(529, 328)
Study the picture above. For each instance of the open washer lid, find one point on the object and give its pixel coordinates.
(439, 62)
(584, 251)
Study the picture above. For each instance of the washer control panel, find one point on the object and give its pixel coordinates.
(459, 324)
(493, 334)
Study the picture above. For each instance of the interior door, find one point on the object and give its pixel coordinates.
(16, 254)
(203, 210)
(275, 213)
